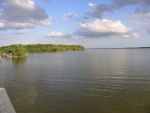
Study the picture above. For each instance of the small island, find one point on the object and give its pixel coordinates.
(19, 50)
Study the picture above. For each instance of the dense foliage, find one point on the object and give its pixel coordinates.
(16, 50)
(53, 48)
(19, 50)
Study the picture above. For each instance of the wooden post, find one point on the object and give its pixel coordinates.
(5, 104)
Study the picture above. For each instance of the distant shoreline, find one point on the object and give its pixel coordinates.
(121, 48)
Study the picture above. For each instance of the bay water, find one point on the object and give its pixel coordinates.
(92, 81)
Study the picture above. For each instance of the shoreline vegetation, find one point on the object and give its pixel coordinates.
(19, 50)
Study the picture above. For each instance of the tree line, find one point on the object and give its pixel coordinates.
(19, 50)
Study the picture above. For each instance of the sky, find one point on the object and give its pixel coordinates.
(90, 23)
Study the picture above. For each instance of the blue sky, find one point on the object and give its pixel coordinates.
(91, 23)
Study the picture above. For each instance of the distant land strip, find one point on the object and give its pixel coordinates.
(19, 50)
(122, 48)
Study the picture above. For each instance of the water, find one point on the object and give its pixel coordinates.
(93, 81)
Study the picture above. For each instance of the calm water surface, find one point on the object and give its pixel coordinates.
(93, 81)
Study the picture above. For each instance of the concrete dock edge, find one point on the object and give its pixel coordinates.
(5, 104)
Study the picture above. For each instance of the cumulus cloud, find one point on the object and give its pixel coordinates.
(104, 28)
(22, 3)
(18, 14)
(98, 10)
(68, 16)
(58, 35)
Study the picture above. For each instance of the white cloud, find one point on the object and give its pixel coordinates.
(55, 34)
(58, 35)
(91, 5)
(15, 25)
(131, 35)
(104, 28)
(19, 14)
(25, 3)
(22, 3)
(46, 21)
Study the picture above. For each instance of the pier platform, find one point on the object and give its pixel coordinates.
(5, 104)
